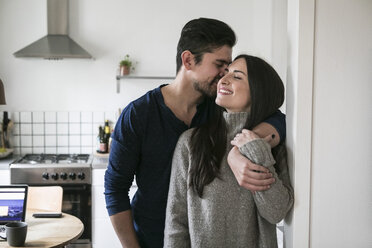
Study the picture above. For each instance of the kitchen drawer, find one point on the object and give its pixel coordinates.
(98, 203)
(98, 177)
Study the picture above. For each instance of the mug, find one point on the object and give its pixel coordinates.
(16, 233)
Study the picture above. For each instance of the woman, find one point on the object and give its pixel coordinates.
(206, 206)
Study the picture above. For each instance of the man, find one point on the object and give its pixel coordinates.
(148, 129)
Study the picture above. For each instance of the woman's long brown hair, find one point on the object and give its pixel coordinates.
(208, 141)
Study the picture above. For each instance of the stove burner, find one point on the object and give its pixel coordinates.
(54, 159)
(72, 158)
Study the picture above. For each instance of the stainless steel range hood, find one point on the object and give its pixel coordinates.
(57, 44)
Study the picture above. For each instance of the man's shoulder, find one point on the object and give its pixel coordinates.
(148, 99)
(140, 110)
(144, 102)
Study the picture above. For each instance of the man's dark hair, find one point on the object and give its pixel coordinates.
(203, 35)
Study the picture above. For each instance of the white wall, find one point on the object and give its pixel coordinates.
(147, 30)
(341, 209)
(299, 117)
(329, 121)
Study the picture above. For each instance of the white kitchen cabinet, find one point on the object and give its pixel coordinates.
(103, 234)
(4, 176)
(4, 170)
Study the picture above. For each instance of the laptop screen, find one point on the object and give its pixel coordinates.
(12, 203)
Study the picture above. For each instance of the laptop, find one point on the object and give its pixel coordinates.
(13, 199)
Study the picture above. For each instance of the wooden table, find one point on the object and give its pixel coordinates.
(50, 232)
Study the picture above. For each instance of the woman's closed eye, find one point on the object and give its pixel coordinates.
(237, 77)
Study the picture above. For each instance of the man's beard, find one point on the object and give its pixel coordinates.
(207, 89)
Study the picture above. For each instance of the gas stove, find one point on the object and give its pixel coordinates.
(48, 169)
(54, 159)
(73, 172)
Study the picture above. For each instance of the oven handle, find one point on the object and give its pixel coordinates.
(76, 187)
(67, 186)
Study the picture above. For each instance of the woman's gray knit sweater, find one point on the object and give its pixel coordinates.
(227, 215)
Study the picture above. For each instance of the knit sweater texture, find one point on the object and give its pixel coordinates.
(227, 215)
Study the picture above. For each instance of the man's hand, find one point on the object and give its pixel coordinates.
(246, 135)
(249, 175)
(123, 226)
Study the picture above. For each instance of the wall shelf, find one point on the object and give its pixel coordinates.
(119, 78)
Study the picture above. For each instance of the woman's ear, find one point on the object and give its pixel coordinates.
(187, 59)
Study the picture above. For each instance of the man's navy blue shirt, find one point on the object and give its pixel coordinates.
(143, 143)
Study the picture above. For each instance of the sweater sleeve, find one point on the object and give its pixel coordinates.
(123, 161)
(272, 204)
(176, 233)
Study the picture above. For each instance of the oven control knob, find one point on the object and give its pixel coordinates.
(81, 175)
(72, 176)
(63, 175)
(54, 176)
(45, 175)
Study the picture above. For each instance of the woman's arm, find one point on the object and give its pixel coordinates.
(176, 233)
(274, 203)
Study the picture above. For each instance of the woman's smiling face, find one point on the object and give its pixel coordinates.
(233, 92)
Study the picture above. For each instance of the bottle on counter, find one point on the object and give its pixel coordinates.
(98, 138)
(107, 135)
(102, 147)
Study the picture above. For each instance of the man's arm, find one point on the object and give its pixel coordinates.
(123, 225)
(274, 126)
(265, 130)
(252, 176)
(123, 161)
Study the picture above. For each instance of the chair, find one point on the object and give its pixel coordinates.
(45, 198)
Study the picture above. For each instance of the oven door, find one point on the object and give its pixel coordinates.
(77, 201)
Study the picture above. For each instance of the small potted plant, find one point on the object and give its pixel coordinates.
(125, 65)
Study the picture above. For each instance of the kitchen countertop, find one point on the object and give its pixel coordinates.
(100, 161)
(4, 162)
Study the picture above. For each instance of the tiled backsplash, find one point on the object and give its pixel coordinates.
(57, 132)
